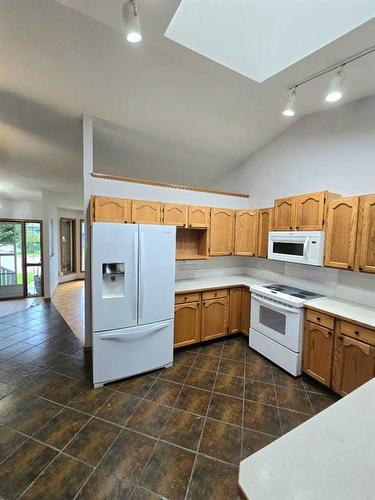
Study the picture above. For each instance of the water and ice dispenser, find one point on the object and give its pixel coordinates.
(113, 274)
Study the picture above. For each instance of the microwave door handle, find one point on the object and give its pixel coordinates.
(277, 307)
(305, 246)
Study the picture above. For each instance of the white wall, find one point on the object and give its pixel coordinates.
(50, 243)
(14, 209)
(332, 150)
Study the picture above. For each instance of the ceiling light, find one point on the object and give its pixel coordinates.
(335, 87)
(132, 26)
(290, 108)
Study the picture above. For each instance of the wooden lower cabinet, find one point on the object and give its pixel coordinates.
(235, 306)
(187, 320)
(245, 310)
(214, 318)
(354, 364)
(334, 357)
(318, 352)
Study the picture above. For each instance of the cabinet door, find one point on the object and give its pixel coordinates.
(175, 215)
(108, 209)
(198, 217)
(214, 318)
(187, 323)
(235, 310)
(146, 212)
(310, 211)
(246, 232)
(366, 236)
(264, 226)
(245, 310)
(354, 364)
(318, 352)
(341, 233)
(284, 214)
(221, 231)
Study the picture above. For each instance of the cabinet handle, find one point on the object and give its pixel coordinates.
(290, 227)
(349, 267)
(360, 268)
(329, 333)
(356, 332)
(340, 337)
(318, 318)
(204, 303)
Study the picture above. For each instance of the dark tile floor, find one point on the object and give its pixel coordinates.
(176, 433)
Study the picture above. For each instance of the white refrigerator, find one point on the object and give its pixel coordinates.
(133, 282)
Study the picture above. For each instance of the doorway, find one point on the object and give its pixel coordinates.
(21, 259)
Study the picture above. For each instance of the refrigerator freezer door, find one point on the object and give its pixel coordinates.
(157, 249)
(129, 351)
(114, 276)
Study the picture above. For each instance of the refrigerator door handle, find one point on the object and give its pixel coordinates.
(141, 277)
(134, 333)
(135, 261)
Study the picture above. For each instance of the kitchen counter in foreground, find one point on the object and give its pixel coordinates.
(329, 457)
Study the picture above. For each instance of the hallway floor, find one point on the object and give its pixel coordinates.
(173, 433)
(69, 300)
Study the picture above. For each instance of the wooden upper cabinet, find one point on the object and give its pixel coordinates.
(214, 318)
(246, 232)
(221, 231)
(264, 226)
(366, 234)
(146, 212)
(354, 364)
(187, 323)
(310, 210)
(175, 215)
(318, 352)
(198, 217)
(284, 214)
(108, 209)
(235, 302)
(341, 233)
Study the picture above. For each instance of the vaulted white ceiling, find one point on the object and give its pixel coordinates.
(165, 111)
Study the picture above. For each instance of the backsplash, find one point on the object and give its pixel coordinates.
(215, 266)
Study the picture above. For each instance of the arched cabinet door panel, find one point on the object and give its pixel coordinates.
(174, 214)
(366, 234)
(214, 318)
(198, 217)
(221, 231)
(284, 214)
(246, 232)
(146, 212)
(310, 211)
(187, 323)
(108, 209)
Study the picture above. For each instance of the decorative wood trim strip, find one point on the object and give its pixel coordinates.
(166, 184)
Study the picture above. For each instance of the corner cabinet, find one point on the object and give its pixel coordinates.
(221, 231)
(341, 233)
(284, 214)
(107, 209)
(146, 212)
(246, 232)
(264, 226)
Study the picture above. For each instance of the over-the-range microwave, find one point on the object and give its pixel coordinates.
(302, 247)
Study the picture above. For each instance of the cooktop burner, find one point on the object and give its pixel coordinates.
(292, 291)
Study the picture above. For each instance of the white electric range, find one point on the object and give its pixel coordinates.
(277, 319)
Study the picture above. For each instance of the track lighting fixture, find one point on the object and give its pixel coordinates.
(132, 25)
(335, 89)
(290, 108)
(335, 86)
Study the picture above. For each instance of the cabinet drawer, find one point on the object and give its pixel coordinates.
(320, 319)
(214, 294)
(187, 297)
(358, 332)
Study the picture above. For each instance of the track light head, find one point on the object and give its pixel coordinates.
(290, 108)
(335, 86)
(132, 25)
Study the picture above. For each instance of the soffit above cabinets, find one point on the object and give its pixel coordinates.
(260, 38)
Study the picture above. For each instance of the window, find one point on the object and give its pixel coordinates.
(82, 246)
(67, 245)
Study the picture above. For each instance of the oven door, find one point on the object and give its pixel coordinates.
(277, 321)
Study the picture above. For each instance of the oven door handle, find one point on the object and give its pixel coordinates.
(275, 306)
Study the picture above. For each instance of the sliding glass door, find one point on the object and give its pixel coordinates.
(20, 259)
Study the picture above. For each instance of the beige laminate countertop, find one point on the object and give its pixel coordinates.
(345, 310)
(329, 457)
